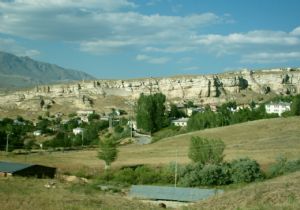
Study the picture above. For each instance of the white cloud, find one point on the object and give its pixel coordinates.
(11, 46)
(152, 60)
(99, 25)
(296, 32)
(266, 57)
(252, 37)
(192, 68)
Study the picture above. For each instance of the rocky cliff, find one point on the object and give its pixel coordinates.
(199, 88)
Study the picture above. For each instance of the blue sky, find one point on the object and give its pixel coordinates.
(138, 38)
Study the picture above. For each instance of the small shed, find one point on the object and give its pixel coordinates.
(22, 169)
(181, 194)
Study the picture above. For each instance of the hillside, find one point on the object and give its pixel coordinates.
(17, 72)
(261, 140)
(279, 193)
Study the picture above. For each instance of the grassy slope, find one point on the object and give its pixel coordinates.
(279, 193)
(30, 194)
(262, 140)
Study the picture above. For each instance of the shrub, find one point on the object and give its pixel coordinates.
(146, 175)
(211, 174)
(205, 150)
(245, 170)
(126, 175)
(282, 166)
(189, 176)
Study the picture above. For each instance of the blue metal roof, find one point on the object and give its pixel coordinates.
(171, 193)
(9, 167)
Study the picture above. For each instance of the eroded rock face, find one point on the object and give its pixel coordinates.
(206, 88)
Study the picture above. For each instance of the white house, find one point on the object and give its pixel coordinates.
(182, 122)
(37, 133)
(133, 124)
(84, 114)
(77, 131)
(192, 110)
(277, 107)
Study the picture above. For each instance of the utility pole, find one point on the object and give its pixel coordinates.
(7, 136)
(176, 168)
(82, 138)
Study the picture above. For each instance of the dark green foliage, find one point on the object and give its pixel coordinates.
(245, 171)
(118, 129)
(150, 112)
(214, 175)
(126, 175)
(283, 166)
(198, 175)
(175, 112)
(205, 150)
(143, 175)
(146, 175)
(224, 116)
(94, 116)
(295, 107)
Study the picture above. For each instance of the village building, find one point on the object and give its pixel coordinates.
(37, 133)
(277, 107)
(84, 114)
(182, 122)
(191, 110)
(22, 169)
(77, 131)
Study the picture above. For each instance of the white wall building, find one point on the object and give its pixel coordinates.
(77, 131)
(277, 107)
(37, 133)
(192, 110)
(182, 122)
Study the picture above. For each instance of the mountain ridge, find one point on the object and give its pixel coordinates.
(19, 72)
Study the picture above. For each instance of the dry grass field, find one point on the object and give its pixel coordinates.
(261, 140)
(276, 194)
(31, 194)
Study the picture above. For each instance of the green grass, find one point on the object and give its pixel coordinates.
(30, 194)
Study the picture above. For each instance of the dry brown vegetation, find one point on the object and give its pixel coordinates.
(279, 193)
(30, 194)
(261, 140)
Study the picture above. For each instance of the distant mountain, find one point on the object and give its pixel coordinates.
(18, 72)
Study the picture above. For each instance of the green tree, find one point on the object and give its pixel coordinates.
(108, 152)
(295, 107)
(150, 112)
(206, 151)
(175, 112)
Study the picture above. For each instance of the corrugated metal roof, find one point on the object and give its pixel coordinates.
(10, 167)
(171, 193)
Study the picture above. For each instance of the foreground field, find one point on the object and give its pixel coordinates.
(262, 140)
(279, 193)
(31, 194)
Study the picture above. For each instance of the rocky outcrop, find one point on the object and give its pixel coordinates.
(206, 88)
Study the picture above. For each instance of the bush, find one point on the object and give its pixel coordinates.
(282, 166)
(189, 176)
(126, 175)
(197, 175)
(210, 175)
(245, 171)
(205, 150)
(146, 175)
